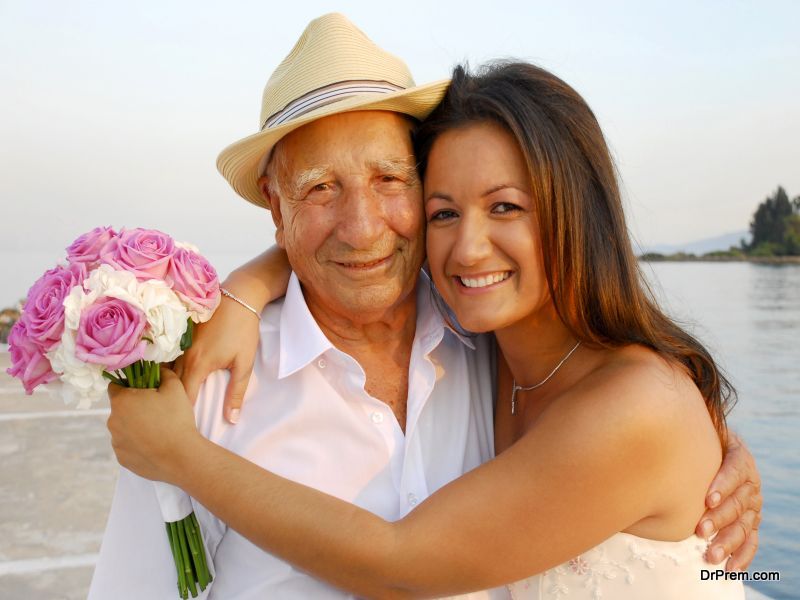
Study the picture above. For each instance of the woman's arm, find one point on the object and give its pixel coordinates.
(733, 498)
(230, 339)
(556, 492)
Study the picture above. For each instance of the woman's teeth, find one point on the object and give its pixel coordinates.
(479, 282)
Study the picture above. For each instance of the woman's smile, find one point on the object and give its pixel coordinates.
(482, 282)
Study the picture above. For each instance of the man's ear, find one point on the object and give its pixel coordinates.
(274, 205)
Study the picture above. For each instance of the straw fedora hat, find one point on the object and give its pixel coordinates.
(332, 68)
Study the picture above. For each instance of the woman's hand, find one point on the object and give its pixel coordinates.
(734, 508)
(230, 339)
(153, 430)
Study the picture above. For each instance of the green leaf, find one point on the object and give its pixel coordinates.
(112, 378)
(186, 339)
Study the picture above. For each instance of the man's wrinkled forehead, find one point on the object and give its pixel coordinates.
(405, 168)
(405, 122)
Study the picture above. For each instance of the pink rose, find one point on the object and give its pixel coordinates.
(110, 334)
(44, 308)
(143, 252)
(195, 281)
(28, 362)
(86, 249)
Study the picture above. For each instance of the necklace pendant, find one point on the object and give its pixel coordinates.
(514, 399)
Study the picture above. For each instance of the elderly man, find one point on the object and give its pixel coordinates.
(359, 389)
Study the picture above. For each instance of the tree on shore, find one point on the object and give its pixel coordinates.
(776, 226)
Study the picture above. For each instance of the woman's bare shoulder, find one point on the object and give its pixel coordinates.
(634, 390)
(644, 378)
(639, 410)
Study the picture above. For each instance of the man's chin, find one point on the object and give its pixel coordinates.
(363, 300)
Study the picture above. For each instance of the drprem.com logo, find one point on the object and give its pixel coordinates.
(709, 575)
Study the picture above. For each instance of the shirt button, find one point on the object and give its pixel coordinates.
(412, 499)
(322, 363)
(377, 417)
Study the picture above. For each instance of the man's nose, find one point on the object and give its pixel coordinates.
(362, 219)
(473, 242)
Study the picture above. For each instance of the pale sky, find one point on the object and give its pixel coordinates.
(114, 113)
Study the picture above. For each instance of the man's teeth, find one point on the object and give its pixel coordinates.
(480, 282)
(364, 265)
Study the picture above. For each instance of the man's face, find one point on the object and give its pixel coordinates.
(349, 212)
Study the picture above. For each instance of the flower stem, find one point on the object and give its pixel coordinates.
(185, 537)
(195, 549)
(172, 530)
(187, 564)
(129, 376)
(204, 564)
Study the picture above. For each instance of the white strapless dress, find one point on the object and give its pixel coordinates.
(627, 567)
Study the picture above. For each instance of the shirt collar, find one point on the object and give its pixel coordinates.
(431, 310)
(301, 339)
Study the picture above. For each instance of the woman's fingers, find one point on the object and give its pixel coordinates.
(744, 556)
(193, 375)
(170, 382)
(737, 523)
(177, 366)
(237, 386)
(737, 469)
(745, 498)
(734, 502)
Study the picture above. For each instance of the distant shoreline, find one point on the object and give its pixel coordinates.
(763, 260)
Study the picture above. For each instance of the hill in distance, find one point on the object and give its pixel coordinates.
(699, 247)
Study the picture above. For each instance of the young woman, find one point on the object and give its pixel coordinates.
(609, 434)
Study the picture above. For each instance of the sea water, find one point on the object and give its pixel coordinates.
(749, 316)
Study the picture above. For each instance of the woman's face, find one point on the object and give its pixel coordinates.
(483, 244)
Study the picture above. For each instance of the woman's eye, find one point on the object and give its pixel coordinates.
(443, 215)
(505, 207)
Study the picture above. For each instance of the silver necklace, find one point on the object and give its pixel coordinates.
(528, 388)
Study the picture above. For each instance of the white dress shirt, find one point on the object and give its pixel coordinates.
(306, 416)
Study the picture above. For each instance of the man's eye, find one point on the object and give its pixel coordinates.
(389, 178)
(321, 187)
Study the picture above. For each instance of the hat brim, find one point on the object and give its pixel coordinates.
(239, 163)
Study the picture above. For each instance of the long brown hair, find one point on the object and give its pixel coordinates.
(593, 275)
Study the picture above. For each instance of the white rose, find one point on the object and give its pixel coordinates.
(107, 281)
(74, 303)
(167, 319)
(85, 383)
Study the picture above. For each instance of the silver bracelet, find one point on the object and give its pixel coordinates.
(240, 301)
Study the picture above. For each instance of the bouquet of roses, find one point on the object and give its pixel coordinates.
(122, 304)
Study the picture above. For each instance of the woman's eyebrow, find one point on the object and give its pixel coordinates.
(497, 188)
(439, 196)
